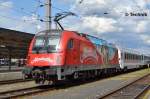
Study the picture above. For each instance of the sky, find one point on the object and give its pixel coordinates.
(125, 31)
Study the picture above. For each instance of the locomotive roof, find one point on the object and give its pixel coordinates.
(94, 39)
(51, 32)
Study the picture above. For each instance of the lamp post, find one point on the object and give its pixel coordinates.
(2, 46)
(9, 55)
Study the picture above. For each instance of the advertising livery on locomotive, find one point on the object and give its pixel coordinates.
(60, 54)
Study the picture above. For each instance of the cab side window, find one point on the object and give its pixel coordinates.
(70, 44)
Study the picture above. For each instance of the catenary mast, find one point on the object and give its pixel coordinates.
(48, 15)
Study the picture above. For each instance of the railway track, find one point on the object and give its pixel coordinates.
(37, 89)
(26, 80)
(6, 71)
(14, 81)
(23, 92)
(132, 90)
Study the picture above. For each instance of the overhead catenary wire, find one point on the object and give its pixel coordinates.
(39, 1)
(137, 5)
(41, 4)
(35, 24)
(20, 10)
(13, 18)
(16, 19)
(35, 17)
(24, 20)
(26, 13)
(59, 9)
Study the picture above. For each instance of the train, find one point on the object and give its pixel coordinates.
(57, 55)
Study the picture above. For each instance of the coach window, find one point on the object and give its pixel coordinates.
(121, 54)
(70, 44)
(125, 56)
(139, 57)
(129, 56)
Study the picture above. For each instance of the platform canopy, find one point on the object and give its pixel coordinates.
(14, 43)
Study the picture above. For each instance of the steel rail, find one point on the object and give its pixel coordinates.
(124, 86)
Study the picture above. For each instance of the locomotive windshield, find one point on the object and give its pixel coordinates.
(39, 42)
(52, 43)
(46, 43)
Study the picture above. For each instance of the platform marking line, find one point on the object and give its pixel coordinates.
(147, 96)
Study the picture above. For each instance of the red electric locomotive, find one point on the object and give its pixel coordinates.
(59, 54)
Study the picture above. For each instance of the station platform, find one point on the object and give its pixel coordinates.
(12, 73)
(10, 69)
(10, 76)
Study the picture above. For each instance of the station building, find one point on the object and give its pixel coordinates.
(13, 45)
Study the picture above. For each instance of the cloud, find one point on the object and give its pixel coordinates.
(6, 5)
(9, 19)
(142, 26)
(129, 31)
(145, 38)
(99, 24)
(26, 23)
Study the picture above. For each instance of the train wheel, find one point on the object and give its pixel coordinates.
(76, 75)
(96, 72)
(125, 69)
(25, 76)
